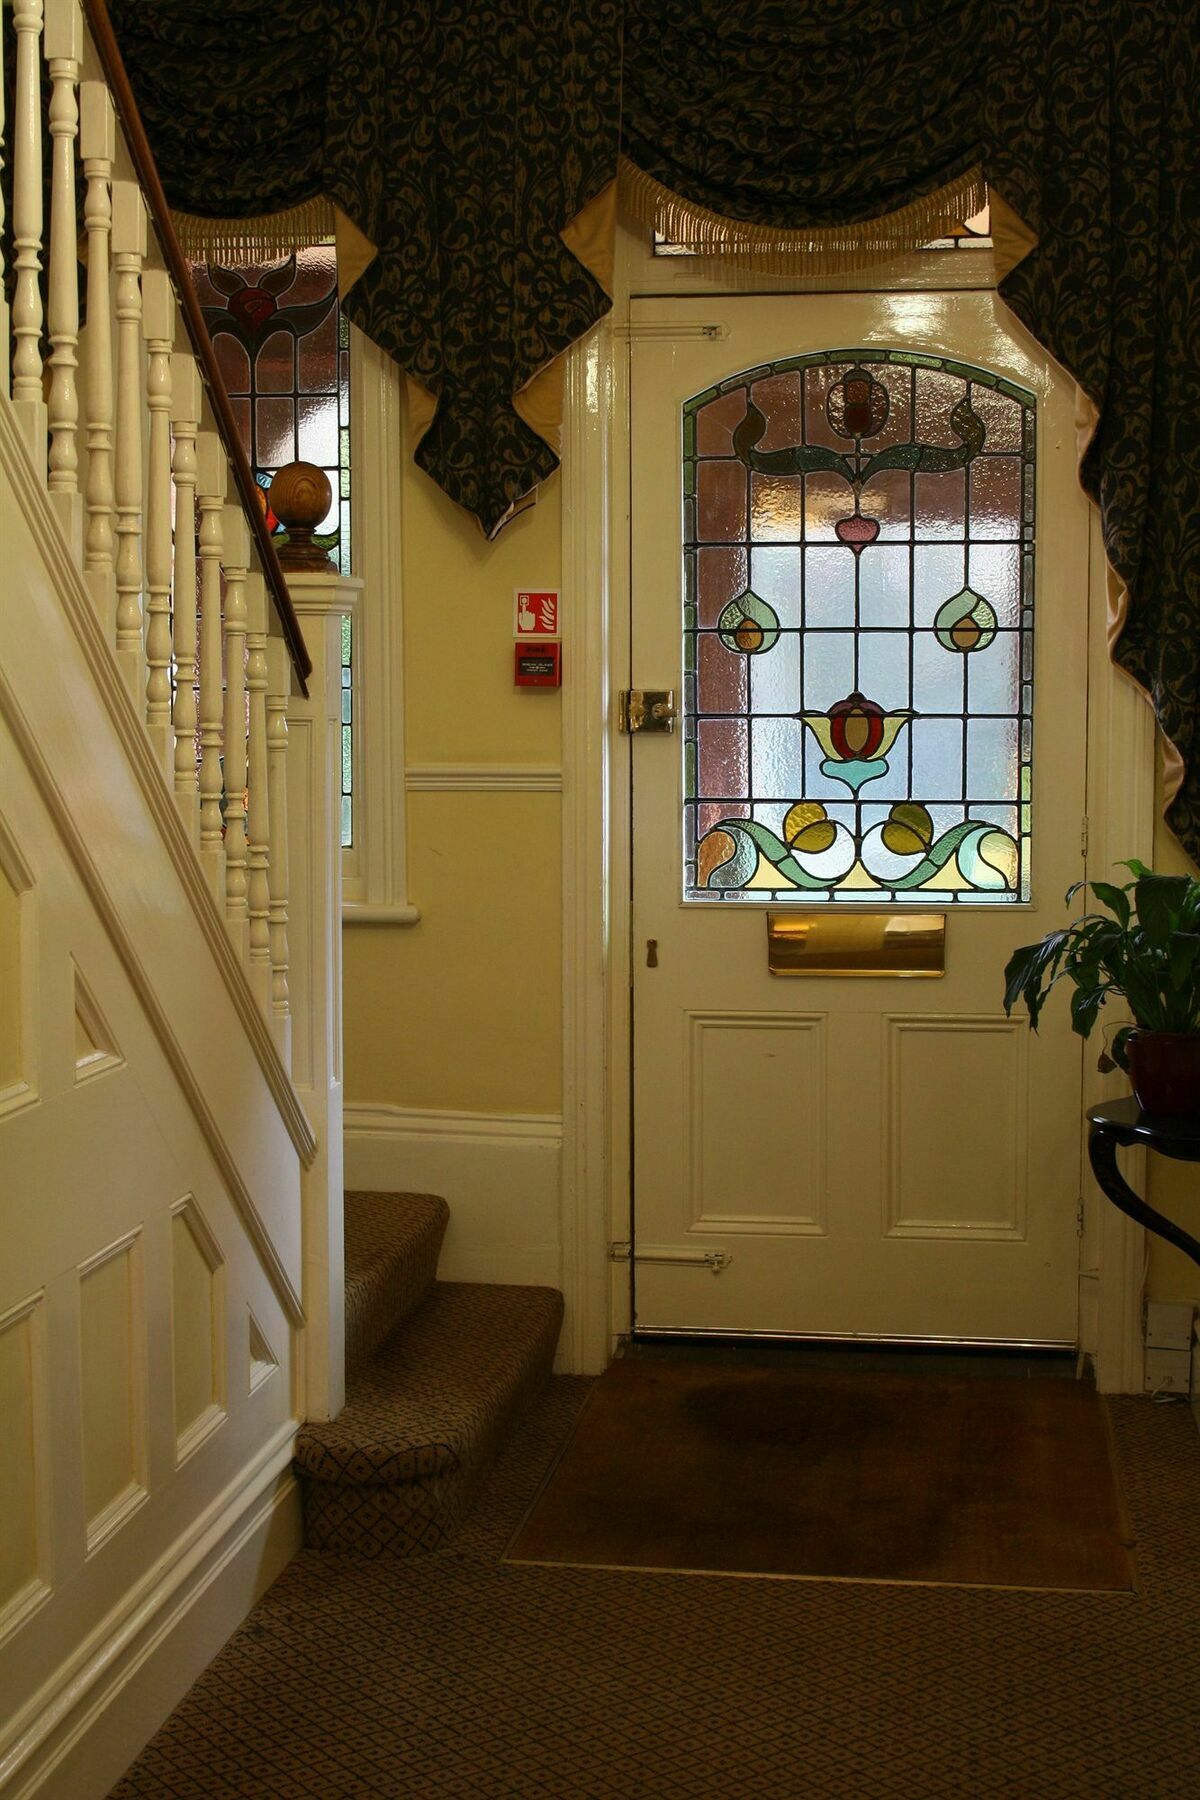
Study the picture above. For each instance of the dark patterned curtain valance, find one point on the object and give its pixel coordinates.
(462, 140)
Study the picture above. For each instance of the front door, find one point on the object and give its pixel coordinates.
(859, 557)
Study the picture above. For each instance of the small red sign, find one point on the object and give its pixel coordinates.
(535, 613)
(538, 665)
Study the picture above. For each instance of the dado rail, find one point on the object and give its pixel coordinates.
(171, 1284)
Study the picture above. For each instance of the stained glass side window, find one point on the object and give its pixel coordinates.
(858, 632)
(283, 348)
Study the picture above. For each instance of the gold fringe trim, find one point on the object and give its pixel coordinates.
(258, 240)
(805, 251)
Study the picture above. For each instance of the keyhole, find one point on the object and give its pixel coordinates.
(652, 953)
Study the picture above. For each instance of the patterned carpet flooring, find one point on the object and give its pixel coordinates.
(454, 1674)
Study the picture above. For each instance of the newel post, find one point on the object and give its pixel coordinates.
(322, 598)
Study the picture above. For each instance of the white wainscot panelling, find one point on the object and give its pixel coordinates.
(498, 1172)
(18, 978)
(747, 1072)
(96, 1048)
(23, 1472)
(113, 1366)
(197, 1328)
(957, 1136)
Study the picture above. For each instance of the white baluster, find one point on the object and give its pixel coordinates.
(129, 253)
(185, 416)
(27, 230)
(4, 338)
(64, 46)
(210, 497)
(158, 325)
(236, 563)
(97, 141)
(279, 686)
(258, 894)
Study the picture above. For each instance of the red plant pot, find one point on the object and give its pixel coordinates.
(1165, 1069)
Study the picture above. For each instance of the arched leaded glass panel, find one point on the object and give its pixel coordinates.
(858, 632)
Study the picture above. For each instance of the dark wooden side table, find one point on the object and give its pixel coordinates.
(1120, 1124)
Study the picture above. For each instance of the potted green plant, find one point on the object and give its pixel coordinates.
(1143, 948)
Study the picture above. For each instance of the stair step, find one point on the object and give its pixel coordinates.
(392, 1246)
(394, 1472)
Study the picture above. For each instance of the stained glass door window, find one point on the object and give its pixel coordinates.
(858, 632)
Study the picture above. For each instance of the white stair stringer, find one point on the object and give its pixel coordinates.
(148, 1213)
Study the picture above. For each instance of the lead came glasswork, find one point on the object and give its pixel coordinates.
(858, 617)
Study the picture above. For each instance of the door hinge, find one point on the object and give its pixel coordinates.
(1079, 1217)
(646, 709)
(1083, 836)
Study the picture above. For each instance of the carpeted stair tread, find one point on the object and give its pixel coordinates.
(440, 1390)
(392, 1246)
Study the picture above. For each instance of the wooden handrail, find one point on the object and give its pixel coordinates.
(142, 157)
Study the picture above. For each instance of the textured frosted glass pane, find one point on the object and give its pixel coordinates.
(883, 594)
(275, 364)
(275, 424)
(883, 668)
(995, 573)
(828, 586)
(996, 497)
(936, 757)
(826, 499)
(317, 361)
(887, 498)
(720, 578)
(828, 668)
(318, 415)
(721, 676)
(992, 679)
(937, 395)
(991, 758)
(939, 505)
(775, 677)
(776, 507)
(775, 577)
(937, 676)
(717, 422)
(938, 572)
(1001, 416)
(777, 398)
(778, 758)
(723, 760)
(720, 502)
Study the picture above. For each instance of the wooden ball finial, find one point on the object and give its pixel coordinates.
(301, 496)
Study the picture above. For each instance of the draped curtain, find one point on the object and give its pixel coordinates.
(475, 147)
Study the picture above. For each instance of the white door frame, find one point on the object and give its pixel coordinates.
(596, 968)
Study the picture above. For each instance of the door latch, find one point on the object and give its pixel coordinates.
(646, 709)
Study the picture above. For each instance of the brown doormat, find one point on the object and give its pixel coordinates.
(982, 1481)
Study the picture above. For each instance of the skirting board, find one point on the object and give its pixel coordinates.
(107, 1711)
(498, 1172)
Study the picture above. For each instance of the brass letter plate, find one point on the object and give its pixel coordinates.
(838, 941)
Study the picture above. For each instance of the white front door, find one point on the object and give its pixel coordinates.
(837, 505)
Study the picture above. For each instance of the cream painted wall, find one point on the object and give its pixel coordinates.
(1174, 1188)
(463, 1010)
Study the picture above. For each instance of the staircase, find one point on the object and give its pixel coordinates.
(436, 1371)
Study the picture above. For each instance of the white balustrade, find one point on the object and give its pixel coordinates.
(279, 683)
(118, 427)
(158, 325)
(210, 497)
(129, 254)
(97, 142)
(185, 421)
(26, 139)
(64, 47)
(258, 836)
(237, 567)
